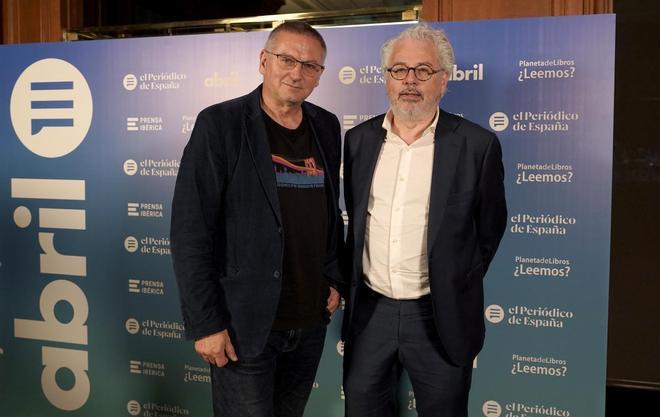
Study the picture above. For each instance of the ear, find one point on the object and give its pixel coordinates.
(444, 79)
(262, 62)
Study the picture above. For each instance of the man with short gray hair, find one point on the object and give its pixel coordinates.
(425, 199)
(256, 233)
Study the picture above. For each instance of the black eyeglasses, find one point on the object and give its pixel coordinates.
(422, 72)
(288, 62)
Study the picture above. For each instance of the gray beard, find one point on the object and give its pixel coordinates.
(414, 114)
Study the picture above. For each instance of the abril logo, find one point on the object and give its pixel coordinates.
(51, 108)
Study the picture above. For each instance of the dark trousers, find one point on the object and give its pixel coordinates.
(277, 383)
(387, 336)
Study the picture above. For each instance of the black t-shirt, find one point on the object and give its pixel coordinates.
(301, 189)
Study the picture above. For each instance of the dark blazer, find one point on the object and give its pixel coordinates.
(226, 231)
(467, 218)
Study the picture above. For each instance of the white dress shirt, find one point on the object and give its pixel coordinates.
(394, 259)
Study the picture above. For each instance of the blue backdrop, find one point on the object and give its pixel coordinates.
(91, 134)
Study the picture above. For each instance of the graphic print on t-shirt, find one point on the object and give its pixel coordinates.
(297, 173)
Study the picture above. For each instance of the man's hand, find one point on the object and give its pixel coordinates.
(216, 349)
(333, 300)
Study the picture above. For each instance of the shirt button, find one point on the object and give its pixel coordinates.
(395, 241)
(402, 179)
(276, 274)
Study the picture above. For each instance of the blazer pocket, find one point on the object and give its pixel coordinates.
(461, 197)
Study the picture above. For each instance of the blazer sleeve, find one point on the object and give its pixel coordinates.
(491, 213)
(196, 210)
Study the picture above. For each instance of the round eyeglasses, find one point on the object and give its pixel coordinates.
(288, 62)
(422, 72)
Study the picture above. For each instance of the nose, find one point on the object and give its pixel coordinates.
(410, 77)
(296, 71)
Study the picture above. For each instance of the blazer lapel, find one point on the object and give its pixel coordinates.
(257, 141)
(447, 147)
(364, 166)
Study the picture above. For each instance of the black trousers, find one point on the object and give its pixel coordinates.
(387, 336)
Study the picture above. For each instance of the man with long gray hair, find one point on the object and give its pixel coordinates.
(425, 198)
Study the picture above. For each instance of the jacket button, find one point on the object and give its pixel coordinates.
(276, 274)
(279, 230)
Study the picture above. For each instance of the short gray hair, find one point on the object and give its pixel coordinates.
(423, 32)
(298, 27)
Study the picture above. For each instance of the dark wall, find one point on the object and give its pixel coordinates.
(128, 12)
(634, 323)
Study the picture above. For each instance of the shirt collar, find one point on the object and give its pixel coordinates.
(428, 136)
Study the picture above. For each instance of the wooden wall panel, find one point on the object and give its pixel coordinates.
(454, 10)
(36, 20)
(72, 14)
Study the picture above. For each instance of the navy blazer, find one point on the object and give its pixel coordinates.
(226, 231)
(467, 218)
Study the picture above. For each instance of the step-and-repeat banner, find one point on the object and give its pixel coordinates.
(90, 139)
